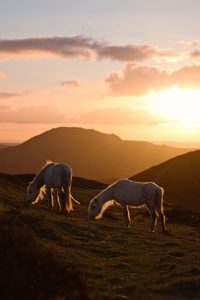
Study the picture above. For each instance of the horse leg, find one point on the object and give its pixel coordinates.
(62, 199)
(68, 200)
(126, 216)
(48, 191)
(54, 195)
(159, 210)
(56, 199)
(154, 217)
(162, 218)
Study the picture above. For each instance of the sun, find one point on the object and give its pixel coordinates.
(180, 106)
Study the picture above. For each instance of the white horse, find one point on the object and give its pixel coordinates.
(130, 193)
(55, 180)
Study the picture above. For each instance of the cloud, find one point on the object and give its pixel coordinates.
(191, 43)
(104, 116)
(70, 83)
(136, 52)
(138, 80)
(5, 95)
(4, 107)
(82, 48)
(120, 116)
(187, 77)
(67, 47)
(2, 75)
(194, 54)
(127, 53)
(30, 115)
(9, 95)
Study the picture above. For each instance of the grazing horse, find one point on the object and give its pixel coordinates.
(55, 180)
(130, 193)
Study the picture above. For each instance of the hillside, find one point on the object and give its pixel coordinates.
(180, 176)
(47, 255)
(2, 145)
(90, 153)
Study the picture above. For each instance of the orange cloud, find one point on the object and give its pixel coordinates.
(31, 114)
(8, 95)
(120, 116)
(5, 95)
(138, 80)
(80, 47)
(4, 107)
(70, 83)
(2, 75)
(191, 43)
(194, 54)
(187, 77)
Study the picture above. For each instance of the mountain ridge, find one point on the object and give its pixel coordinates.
(90, 153)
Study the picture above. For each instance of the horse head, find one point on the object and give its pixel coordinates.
(32, 193)
(94, 208)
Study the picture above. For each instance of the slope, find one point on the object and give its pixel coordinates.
(180, 176)
(47, 255)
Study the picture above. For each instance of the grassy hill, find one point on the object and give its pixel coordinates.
(180, 176)
(47, 255)
(90, 153)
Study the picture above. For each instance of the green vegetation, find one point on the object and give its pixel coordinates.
(72, 257)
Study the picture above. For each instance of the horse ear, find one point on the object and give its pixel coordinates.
(30, 182)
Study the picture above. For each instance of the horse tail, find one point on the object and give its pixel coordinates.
(159, 200)
(75, 200)
(68, 203)
(159, 207)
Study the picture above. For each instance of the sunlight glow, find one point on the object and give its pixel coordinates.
(180, 106)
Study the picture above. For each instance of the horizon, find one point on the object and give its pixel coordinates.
(181, 144)
(120, 68)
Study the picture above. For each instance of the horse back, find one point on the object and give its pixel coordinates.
(59, 175)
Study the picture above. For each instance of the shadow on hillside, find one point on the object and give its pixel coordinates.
(30, 270)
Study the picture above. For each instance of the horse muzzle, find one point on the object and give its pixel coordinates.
(29, 201)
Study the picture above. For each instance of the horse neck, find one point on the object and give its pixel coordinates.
(106, 195)
(39, 180)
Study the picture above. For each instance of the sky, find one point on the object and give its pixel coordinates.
(126, 67)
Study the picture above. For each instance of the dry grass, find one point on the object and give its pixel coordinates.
(102, 259)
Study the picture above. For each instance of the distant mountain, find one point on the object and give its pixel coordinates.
(5, 145)
(180, 176)
(90, 153)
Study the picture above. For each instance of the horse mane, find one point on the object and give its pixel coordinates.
(48, 162)
(104, 207)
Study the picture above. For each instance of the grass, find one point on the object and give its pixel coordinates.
(103, 259)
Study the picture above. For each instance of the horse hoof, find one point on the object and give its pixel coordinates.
(166, 232)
